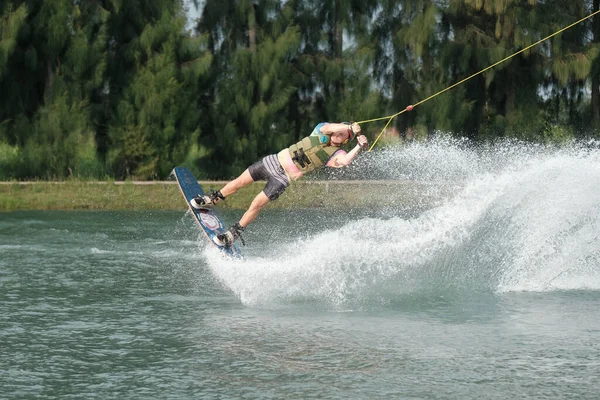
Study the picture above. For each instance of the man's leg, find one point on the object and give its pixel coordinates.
(277, 182)
(259, 202)
(227, 238)
(208, 200)
(243, 180)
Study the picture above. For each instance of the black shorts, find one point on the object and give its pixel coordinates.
(269, 169)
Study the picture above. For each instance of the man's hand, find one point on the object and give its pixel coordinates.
(356, 128)
(362, 141)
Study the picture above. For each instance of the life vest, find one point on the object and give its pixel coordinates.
(312, 152)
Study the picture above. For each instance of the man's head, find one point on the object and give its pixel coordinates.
(347, 135)
(341, 138)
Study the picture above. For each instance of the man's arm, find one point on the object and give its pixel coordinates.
(343, 159)
(332, 128)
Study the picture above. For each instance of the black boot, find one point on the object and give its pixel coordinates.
(227, 238)
(207, 201)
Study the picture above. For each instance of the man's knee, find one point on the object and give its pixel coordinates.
(260, 201)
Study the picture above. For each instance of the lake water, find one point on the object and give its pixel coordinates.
(491, 291)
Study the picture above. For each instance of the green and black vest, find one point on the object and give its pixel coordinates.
(312, 152)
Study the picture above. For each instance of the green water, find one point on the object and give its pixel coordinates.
(124, 305)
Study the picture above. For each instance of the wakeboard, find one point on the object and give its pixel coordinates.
(208, 219)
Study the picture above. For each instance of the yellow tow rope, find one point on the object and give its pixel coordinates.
(411, 107)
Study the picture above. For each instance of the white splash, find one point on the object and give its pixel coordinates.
(525, 218)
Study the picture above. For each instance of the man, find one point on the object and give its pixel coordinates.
(321, 148)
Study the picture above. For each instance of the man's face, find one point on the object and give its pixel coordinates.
(338, 138)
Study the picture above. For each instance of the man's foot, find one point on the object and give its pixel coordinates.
(200, 202)
(206, 201)
(227, 238)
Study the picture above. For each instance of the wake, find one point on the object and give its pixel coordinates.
(517, 218)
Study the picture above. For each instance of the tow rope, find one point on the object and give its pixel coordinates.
(412, 106)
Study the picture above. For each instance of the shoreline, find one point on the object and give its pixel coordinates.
(165, 195)
(209, 183)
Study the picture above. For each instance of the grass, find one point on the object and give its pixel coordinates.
(82, 195)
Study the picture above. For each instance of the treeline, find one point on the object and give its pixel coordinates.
(124, 88)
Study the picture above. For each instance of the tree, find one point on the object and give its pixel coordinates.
(156, 116)
(334, 35)
(406, 37)
(568, 65)
(11, 21)
(253, 44)
(56, 65)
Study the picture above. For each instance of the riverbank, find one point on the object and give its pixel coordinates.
(165, 195)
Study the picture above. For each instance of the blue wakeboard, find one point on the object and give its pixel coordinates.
(208, 219)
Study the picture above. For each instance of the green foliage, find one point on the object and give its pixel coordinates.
(10, 24)
(62, 144)
(556, 134)
(251, 92)
(157, 112)
(120, 88)
(9, 160)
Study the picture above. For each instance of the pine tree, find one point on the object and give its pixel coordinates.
(479, 34)
(336, 49)
(406, 38)
(509, 99)
(155, 71)
(10, 24)
(253, 44)
(11, 21)
(55, 67)
(569, 62)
